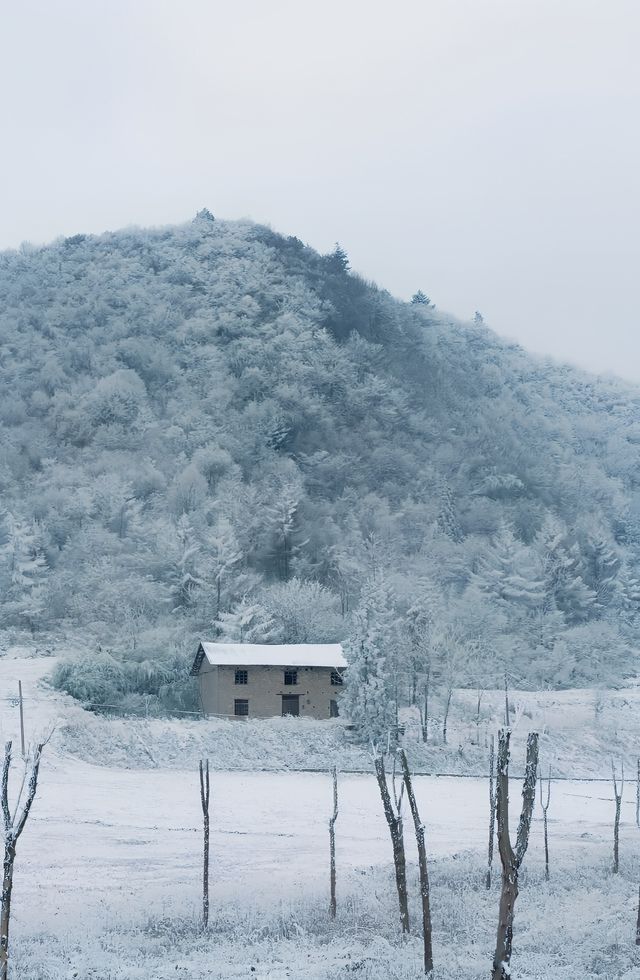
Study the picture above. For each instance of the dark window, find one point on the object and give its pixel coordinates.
(242, 676)
(333, 709)
(241, 707)
(291, 676)
(336, 678)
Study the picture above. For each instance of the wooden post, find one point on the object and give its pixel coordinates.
(13, 827)
(204, 799)
(511, 858)
(492, 809)
(332, 845)
(21, 720)
(394, 822)
(616, 821)
(422, 863)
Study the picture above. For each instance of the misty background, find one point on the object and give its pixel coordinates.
(486, 152)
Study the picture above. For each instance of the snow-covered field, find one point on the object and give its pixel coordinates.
(108, 873)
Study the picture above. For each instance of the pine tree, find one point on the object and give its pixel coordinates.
(603, 565)
(247, 622)
(24, 572)
(186, 574)
(447, 519)
(224, 555)
(508, 573)
(281, 517)
(565, 589)
(370, 696)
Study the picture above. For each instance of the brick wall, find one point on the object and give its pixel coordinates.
(264, 689)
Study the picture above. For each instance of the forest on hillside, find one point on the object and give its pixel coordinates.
(212, 430)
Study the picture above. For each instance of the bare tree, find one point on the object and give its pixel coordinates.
(638, 922)
(616, 822)
(204, 799)
(492, 808)
(13, 827)
(332, 844)
(393, 815)
(545, 807)
(424, 708)
(638, 795)
(422, 863)
(511, 859)
(445, 719)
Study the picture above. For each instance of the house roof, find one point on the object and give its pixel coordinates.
(270, 655)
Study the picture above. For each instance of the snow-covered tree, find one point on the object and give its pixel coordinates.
(370, 696)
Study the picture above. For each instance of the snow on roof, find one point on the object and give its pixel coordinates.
(274, 654)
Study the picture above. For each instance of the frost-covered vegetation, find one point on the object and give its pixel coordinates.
(297, 938)
(213, 429)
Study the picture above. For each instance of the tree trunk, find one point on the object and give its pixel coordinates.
(478, 717)
(422, 863)
(616, 823)
(492, 810)
(506, 700)
(13, 827)
(5, 909)
(204, 799)
(504, 942)
(638, 921)
(446, 716)
(545, 808)
(424, 711)
(332, 846)
(394, 822)
(511, 859)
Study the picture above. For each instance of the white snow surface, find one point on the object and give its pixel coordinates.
(275, 655)
(112, 856)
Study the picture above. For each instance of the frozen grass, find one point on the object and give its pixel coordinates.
(579, 733)
(579, 730)
(579, 924)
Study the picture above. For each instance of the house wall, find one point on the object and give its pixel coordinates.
(264, 690)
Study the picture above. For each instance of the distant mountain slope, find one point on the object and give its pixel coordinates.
(213, 428)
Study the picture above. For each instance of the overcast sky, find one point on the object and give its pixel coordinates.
(486, 151)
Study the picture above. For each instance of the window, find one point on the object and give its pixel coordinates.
(336, 678)
(242, 676)
(241, 707)
(291, 676)
(333, 709)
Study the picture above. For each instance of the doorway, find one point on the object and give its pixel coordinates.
(290, 704)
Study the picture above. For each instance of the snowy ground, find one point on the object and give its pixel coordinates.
(108, 871)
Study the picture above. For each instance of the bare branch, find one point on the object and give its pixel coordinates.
(31, 794)
(528, 797)
(5, 787)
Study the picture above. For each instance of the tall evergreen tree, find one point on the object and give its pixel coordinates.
(370, 696)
